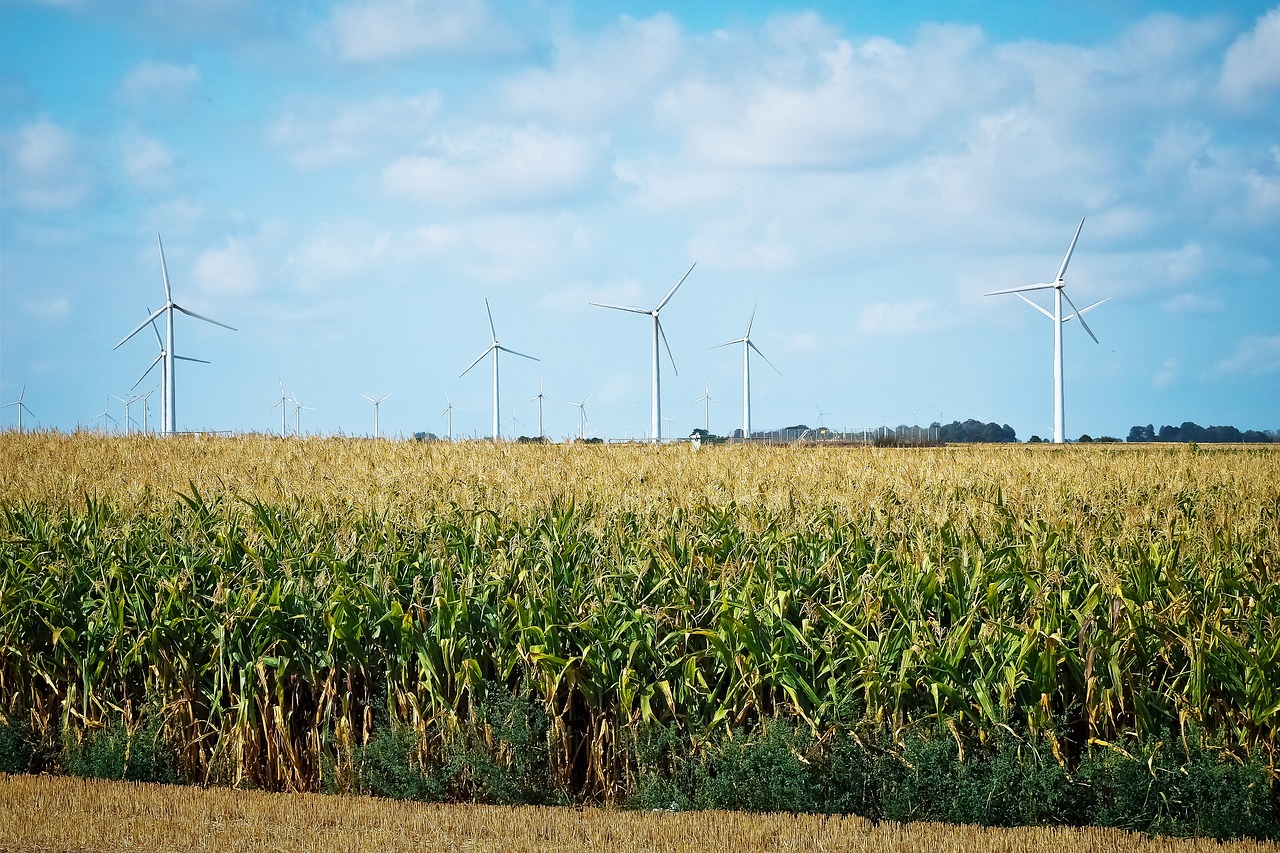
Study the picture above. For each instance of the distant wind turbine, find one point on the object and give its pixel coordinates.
(540, 397)
(821, 415)
(494, 347)
(447, 412)
(297, 415)
(284, 398)
(657, 333)
(707, 399)
(146, 407)
(582, 416)
(512, 423)
(170, 381)
(1058, 286)
(377, 404)
(106, 414)
(21, 405)
(747, 346)
(129, 401)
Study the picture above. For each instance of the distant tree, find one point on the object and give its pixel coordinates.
(1035, 439)
(1106, 439)
(1085, 439)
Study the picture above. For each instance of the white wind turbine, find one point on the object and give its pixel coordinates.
(21, 406)
(540, 397)
(1059, 293)
(297, 415)
(170, 381)
(164, 368)
(747, 346)
(146, 407)
(657, 333)
(284, 398)
(106, 414)
(494, 347)
(707, 399)
(377, 404)
(582, 416)
(447, 412)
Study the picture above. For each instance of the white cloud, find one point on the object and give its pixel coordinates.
(1167, 375)
(44, 167)
(497, 166)
(1251, 66)
(52, 308)
(148, 162)
(1192, 303)
(158, 82)
(357, 130)
(1257, 355)
(596, 78)
(227, 270)
(387, 29)
(898, 318)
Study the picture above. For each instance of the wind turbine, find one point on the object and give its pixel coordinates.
(582, 416)
(377, 404)
(747, 346)
(512, 423)
(657, 333)
(540, 397)
(1059, 293)
(21, 405)
(447, 411)
(297, 415)
(284, 398)
(494, 347)
(164, 370)
(146, 407)
(821, 415)
(133, 398)
(707, 399)
(170, 381)
(106, 413)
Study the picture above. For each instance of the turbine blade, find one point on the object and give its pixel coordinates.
(1066, 260)
(752, 321)
(1023, 289)
(479, 358)
(632, 309)
(141, 326)
(513, 352)
(493, 335)
(1039, 308)
(674, 288)
(1094, 305)
(662, 334)
(1081, 319)
(765, 357)
(164, 271)
(729, 343)
(188, 358)
(367, 397)
(159, 340)
(206, 319)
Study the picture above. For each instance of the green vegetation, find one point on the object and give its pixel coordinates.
(1073, 636)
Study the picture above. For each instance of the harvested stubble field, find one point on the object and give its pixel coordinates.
(978, 634)
(45, 814)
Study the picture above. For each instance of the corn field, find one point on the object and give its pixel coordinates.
(275, 602)
(76, 816)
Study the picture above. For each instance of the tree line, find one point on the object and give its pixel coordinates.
(1190, 431)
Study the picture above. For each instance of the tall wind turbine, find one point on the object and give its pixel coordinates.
(582, 416)
(21, 405)
(540, 397)
(164, 370)
(170, 381)
(657, 333)
(708, 400)
(377, 404)
(747, 346)
(1059, 293)
(494, 347)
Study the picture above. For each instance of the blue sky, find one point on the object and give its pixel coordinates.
(347, 182)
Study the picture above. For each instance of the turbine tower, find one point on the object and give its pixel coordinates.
(377, 404)
(284, 398)
(747, 346)
(447, 411)
(1058, 286)
(657, 333)
(494, 347)
(540, 397)
(21, 405)
(582, 416)
(708, 400)
(167, 309)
